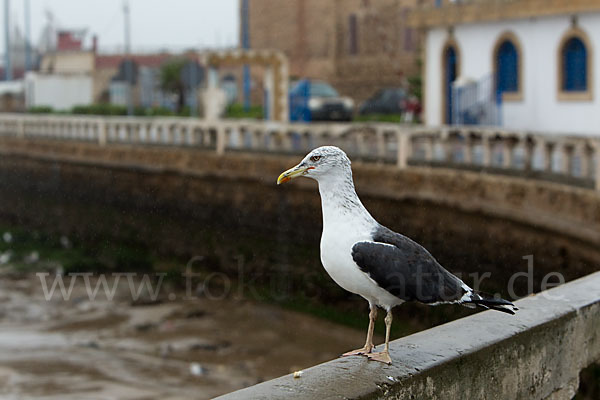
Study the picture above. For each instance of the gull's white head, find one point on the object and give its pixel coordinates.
(321, 163)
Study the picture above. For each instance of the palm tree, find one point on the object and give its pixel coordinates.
(170, 80)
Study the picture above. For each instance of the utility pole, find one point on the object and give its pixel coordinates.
(128, 59)
(193, 87)
(246, 46)
(27, 37)
(7, 60)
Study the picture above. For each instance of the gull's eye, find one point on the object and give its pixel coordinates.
(315, 158)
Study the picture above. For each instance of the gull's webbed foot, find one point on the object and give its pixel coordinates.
(382, 356)
(365, 350)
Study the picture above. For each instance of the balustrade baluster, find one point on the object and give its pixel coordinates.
(380, 137)
(447, 148)
(587, 160)
(507, 152)
(529, 144)
(404, 148)
(220, 140)
(567, 159)
(429, 145)
(468, 149)
(548, 156)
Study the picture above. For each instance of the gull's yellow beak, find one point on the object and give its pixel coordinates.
(292, 173)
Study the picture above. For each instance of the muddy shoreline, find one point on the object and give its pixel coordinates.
(177, 349)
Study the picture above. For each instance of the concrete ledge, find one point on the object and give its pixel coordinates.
(536, 354)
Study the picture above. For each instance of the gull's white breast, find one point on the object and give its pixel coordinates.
(336, 255)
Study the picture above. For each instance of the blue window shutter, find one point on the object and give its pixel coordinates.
(451, 72)
(574, 59)
(507, 68)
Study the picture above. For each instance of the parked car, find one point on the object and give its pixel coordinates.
(318, 101)
(385, 101)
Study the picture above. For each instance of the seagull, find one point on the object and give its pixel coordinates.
(368, 259)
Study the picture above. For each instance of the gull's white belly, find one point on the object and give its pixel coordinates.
(336, 256)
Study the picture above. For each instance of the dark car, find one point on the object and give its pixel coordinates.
(385, 101)
(319, 101)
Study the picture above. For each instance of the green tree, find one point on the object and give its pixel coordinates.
(170, 80)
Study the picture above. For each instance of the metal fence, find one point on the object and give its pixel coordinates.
(476, 103)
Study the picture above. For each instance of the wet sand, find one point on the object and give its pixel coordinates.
(82, 349)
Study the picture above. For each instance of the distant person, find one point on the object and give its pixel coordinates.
(413, 108)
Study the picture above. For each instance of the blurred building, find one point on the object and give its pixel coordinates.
(18, 55)
(359, 46)
(69, 56)
(535, 61)
(110, 77)
(12, 96)
(65, 75)
(70, 40)
(12, 93)
(145, 80)
(70, 74)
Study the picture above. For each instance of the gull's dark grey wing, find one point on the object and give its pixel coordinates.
(406, 269)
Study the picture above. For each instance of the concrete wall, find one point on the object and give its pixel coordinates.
(535, 354)
(462, 217)
(68, 62)
(540, 108)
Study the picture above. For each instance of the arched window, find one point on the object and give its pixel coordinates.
(450, 71)
(575, 66)
(507, 67)
(507, 72)
(574, 59)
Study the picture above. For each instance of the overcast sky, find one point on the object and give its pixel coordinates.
(155, 24)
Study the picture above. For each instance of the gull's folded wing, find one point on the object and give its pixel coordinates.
(406, 270)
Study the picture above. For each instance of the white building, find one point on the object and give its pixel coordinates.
(66, 75)
(61, 92)
(541, 58)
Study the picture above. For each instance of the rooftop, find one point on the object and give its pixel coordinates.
(147, 60)
(471, 11)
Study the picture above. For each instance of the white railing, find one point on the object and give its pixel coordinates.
(568, 158)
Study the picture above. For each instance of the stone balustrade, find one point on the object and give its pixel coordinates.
(567, 158)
